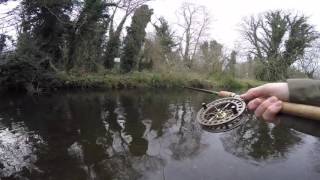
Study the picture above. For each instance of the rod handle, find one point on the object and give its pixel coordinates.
(226, 94)
(301, 110)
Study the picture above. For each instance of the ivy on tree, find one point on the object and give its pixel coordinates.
(135, 38)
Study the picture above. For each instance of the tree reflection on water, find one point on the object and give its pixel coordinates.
(186, 140)
(259, 141)
(98, 135)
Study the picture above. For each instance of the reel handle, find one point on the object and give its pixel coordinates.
(299, 110)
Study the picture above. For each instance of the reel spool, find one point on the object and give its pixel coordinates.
(222, 115)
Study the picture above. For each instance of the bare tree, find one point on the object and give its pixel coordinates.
(194, 25)
(309, 63)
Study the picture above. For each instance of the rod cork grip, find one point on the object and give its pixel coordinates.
(226, 94)
(301, 110)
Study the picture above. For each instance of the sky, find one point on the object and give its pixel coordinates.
(226, 15)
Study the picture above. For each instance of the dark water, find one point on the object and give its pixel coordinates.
(145, 135)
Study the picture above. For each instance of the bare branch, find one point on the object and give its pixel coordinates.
(194, 25)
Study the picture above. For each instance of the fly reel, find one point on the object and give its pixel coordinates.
(222, 115)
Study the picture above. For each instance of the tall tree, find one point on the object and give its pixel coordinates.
(113, 44)
(158, 49)
(195, 24)
(164, 36)
(135, 38)
(43, 25)
(86, 35)
(278, 39)
(39, 45)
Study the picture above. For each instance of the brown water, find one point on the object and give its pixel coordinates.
(145, 135)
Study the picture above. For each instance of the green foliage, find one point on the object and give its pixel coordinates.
(225, 81)
(39, 45)
(272, 48)
(135, 38)
(114, 43)
(157, 52)
(86, 37)
(23, 75)
(112, 51)
(164, 36)
(134, 80)
(44, 23)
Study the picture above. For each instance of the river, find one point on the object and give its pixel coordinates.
(147, 135)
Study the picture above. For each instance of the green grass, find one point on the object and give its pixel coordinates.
(151, 80)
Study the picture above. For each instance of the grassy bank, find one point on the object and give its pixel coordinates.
(152, 80)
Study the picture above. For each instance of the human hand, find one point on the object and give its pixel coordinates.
(266, 100)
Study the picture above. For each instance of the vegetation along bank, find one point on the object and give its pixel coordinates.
(70, 44)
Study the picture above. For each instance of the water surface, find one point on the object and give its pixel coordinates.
(145, 135)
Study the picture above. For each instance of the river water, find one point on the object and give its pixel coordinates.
(145, 135)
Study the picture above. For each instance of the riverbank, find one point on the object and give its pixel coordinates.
(152, 80)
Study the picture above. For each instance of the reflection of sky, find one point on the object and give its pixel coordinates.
(17, 150)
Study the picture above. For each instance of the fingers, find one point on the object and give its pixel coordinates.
(263, 106)
(252, 105)
(267, 109)
(272, 111)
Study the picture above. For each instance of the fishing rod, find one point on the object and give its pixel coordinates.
(220, 93)
(224, 114)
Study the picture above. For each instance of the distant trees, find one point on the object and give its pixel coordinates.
(135, 38)
(309, 63)
(79, 36)
(231, 63)
(211, 53)
(277, 40)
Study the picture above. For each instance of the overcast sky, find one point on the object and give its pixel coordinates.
(227, 14)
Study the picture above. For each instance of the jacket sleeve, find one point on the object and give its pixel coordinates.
(304, 91)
